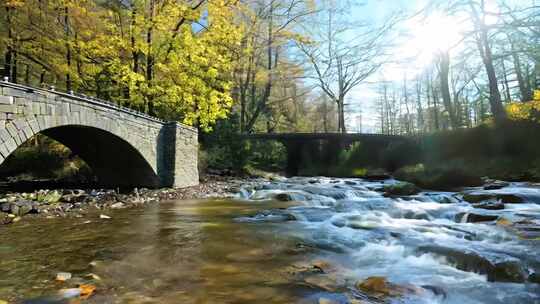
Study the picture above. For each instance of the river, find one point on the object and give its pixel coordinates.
(297, 240)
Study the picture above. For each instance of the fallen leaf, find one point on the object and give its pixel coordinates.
(86, 290)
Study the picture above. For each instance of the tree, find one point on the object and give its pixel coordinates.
(260, 62)
(171, 59)
(340, 59)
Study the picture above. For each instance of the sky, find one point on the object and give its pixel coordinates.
(420, 39)
(413, 52)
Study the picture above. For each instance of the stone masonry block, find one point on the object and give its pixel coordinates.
(6, 100)
(8, 108)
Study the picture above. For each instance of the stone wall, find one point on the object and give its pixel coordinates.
(165, 152)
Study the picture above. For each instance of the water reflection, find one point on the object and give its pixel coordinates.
(188, 251)
(321, 244)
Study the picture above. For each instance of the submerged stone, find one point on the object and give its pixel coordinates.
(401, 188)
(380, 287)
(497, 268)
(496, 185)
(489, 205)
(534, 278)
(283, 197)
(506, 198)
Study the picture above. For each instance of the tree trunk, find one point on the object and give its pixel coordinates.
(419, 110)
(506, 85)
(134, 51)
(524, 90)
(482, 40)
(150, 57)
(444, 71)
(8, 56)
(341, 116)
(68, 49)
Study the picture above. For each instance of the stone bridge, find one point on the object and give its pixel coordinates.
(323, 148)
(123, 147)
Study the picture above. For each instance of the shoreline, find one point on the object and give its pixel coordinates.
(15, 206)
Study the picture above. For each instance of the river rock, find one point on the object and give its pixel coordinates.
(324, 300)
(63, 276)
(68, 293)
(401, 189)
(52, 197)
(283, 197)
(376, 177)
(5, 219)
(436, 290)
(5, 207)
(466, 217)
(21, 208)
(380, 287)
(496, 185)
(118, 205)
(498, 268)
(527, 229)
(334, 193)
(506, 198)
(489, 205)
(268, 216)
(534, 277)
(326, 282)
(74, 196)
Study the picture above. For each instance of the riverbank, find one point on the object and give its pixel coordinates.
(15, 206)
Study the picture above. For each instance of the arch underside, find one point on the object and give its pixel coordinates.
(114, 161)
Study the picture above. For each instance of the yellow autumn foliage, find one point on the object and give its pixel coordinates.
(183, 72)
(525, 110)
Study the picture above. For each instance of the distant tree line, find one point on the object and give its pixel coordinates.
(497, 65)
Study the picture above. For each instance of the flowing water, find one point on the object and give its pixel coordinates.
(299, 240)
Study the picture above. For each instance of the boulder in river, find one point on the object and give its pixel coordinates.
(489, 205)
(283, 197)
(380, 287)
(466, 217)
(401, 189)
(497, 267)
(534, 277)
(495, 185)
(376, 177)
(506, 198)
(526, 229)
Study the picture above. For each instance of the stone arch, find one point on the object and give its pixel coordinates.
(107, 150)
(166, 152)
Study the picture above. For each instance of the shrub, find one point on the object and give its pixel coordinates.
(400, 154)
(449, 176)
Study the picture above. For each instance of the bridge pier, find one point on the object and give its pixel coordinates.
(294, 156)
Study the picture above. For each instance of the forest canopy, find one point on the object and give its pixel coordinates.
(284, 65)
(171, 59)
